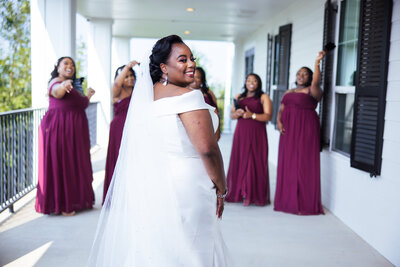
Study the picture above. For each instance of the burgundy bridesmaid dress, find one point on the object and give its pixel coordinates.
(298, 188)
(114, 142)
(65, 171)
(209, 101)
(248, 178)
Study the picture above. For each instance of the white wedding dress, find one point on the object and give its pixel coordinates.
(160, 209)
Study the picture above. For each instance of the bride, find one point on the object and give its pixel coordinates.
(168, 187)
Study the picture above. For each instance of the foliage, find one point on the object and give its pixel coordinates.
(81, 62)
(15, 55)
(217, 88)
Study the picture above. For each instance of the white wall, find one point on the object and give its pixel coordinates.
(307, 26)
(369, 206)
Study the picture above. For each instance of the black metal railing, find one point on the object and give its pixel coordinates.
(19, 151)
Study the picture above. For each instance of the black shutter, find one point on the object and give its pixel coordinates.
(371, 83)
(326, 71)
(269, 64)
(285, 36)
(249, 61)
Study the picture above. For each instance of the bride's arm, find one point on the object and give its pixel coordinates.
(198, 125)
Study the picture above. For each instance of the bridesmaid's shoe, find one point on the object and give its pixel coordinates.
(72, 213)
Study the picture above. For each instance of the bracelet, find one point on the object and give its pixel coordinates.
(222, 195)
(253, 116)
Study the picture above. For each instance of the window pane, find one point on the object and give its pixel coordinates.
(348, 42)
(344, 122)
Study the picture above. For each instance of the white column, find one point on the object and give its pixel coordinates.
(53, 26)
(228, 86)
(120, 53)
(99, 73)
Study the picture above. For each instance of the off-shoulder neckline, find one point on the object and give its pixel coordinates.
(175, 96)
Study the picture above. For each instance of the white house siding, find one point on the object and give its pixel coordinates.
(307, 26)
(369, 206)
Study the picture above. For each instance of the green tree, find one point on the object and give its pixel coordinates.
(217, 88)
(81, 62)
(15, 55)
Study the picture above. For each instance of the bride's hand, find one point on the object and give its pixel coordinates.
(220, 207)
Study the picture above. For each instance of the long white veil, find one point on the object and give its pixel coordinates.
(139, 222)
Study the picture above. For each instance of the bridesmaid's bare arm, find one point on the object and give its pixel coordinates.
(316, 90)
(267, 110)
(198, 125)
(281, 129)
(91, 92)
(119, 80)
(59, 90)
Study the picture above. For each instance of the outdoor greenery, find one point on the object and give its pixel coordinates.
(81, 62)
(15, 55)
(217, 88)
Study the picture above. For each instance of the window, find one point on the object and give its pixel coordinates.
(344, 121)
(328, 40)
(360, 82)
(344, 86)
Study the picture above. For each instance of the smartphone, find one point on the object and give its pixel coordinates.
(329, 46)
(236, 103)
(77, 84)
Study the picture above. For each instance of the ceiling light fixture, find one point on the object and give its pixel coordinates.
(186, 32)
(190, 9)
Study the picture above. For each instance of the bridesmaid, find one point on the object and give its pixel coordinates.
(65, 170)
(298, 189)
(200, 83)
(124, 82)
(248, 177)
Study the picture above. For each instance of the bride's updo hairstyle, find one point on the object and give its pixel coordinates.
(160, 54)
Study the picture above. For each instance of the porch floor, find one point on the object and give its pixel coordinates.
(255, 236)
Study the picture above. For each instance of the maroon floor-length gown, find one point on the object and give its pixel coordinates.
(248, 177)
(298, 188)
(114, 142)
(65, 171)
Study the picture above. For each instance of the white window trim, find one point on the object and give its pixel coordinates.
(337, 89)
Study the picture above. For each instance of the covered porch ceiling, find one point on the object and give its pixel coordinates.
(216, 20)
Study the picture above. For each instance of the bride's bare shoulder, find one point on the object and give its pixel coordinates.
(161, 91)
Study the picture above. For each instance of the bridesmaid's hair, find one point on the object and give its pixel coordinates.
(310, 74)
(203, 86)
(118, 71)
(160, 54)
(54, 73)
(259, 91)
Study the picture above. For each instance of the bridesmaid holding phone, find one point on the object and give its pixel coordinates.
(248, 178)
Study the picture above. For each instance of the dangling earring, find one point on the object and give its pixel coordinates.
(166, 80)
